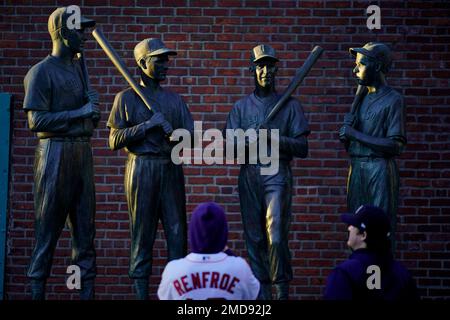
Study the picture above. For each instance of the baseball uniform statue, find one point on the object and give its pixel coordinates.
(266, 199)
(63, 112)
(208, 272)
(154, 185)
(373, 134)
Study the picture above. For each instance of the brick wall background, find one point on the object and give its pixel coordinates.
(213, 39)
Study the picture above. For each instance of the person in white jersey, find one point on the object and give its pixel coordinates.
(208, 272)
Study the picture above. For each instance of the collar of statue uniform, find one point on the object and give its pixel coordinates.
(266, 100)
(157, 90)
(378, 94)
(153, 94)
(59, 63)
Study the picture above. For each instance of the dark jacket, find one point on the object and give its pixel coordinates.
(348, 281)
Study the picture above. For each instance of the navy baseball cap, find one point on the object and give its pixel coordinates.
(371, 219)
(208, 229)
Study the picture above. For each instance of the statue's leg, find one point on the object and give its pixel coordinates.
(50, 211)
(278, 198)
(357, 193)
(142, 188)
(253, 220)
(173, 211)
(384, 189)
(82, 217)
(394, 190)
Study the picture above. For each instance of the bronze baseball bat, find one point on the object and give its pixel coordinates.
(86, 83)
(360, 93)
(296, 81)
(120, 65)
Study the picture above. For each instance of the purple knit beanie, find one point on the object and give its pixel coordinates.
(208, 229)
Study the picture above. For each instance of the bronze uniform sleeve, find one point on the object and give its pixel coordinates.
(120, 134)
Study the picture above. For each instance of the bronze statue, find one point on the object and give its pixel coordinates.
(63, 111)
(374, 133)
(154, 185)
(266, 199)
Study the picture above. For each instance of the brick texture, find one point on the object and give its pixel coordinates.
(213, 39)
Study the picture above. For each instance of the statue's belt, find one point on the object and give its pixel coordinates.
(69, 139)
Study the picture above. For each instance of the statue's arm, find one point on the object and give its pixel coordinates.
(46, 121)
(295, 142)
(298, 146)
(395, 140)
(120, 138)
(390, 146)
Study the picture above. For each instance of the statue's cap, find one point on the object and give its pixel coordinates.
(151, 47)
(263, 51)
(60, 18)
(376, 50)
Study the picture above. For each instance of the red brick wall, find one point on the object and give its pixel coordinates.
(213, 39)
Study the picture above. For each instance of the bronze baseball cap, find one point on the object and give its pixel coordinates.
(59, 18)
(263, 51)
(375, 50)
(151, 47)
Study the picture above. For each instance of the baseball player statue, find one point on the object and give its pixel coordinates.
(266, 199)
(208, 272)
(154, 185)
(63, 111)
(373, 134)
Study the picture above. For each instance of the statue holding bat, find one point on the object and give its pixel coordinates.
(63, 110)
(374, 134)
(140, 121)
(266, 199)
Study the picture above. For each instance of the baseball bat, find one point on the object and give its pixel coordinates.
(120, 65)
(84, 71)
(86, 83)
(296, 81)
(360, 93)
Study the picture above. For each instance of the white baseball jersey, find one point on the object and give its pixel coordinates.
(208, 276)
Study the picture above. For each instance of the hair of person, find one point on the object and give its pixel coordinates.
(378, 245)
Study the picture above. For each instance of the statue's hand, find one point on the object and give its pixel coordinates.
(93, 96)
(346, 133)
(87, 111)
(156, 120)
(167, 127)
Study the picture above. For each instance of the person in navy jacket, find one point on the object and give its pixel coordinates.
(370, 273)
